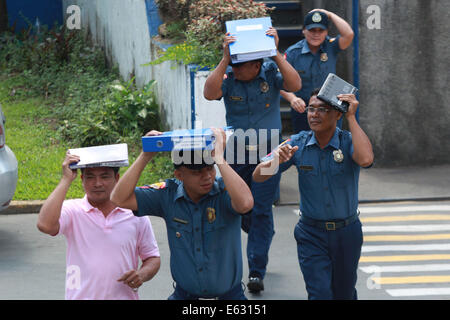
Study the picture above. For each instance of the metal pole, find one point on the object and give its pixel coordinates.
(355, 25)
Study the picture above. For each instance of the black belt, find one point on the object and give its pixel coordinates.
(188, 296)
(329, 225)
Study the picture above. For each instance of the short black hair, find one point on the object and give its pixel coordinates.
(192, 159)
(115, 169)
(241, 63)
(315, 92)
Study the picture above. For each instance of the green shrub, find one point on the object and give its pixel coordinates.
(205, 21)
(124, 114)
(90, 106)
(55, 99)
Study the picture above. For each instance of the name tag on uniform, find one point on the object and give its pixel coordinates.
(306, 168)
(180, 220)
(236, 98)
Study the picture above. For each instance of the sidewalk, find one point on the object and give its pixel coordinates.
(375, 185)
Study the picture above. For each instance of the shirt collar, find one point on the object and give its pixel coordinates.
(261, 74)
(306, 49)
(182, 193)
(334, 142)
(87, 207)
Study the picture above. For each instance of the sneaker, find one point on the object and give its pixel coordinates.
(255, 284)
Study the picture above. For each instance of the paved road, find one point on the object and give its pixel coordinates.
(406, 251)
(32, 265)
(31, 261)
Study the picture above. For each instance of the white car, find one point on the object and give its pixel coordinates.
(8, 168)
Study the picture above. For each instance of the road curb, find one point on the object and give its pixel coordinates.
(33, 206)
(20, 207)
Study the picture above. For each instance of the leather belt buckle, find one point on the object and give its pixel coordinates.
(330, 226)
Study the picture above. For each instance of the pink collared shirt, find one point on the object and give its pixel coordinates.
(100, 250)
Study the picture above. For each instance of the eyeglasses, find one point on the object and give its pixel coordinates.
(321, 110)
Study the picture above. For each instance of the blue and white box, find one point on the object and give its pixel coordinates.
(251, 40)
(188, 139)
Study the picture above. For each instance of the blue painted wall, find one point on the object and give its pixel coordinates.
(154, 19)
(48, 12)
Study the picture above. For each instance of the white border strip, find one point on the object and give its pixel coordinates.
(406, 268)
(411, 292)
(407, 228)
(408, 247)
(391, 209)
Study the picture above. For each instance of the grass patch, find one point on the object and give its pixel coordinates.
(74, 101)
(31, 133)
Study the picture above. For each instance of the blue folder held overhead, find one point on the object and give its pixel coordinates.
(251, 40)
(192, 139)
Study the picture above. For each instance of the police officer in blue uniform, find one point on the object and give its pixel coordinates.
(329, 233)
(203, 220)
(251, 93)
(314, 58)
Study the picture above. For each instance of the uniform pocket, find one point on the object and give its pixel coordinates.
(338, 175)
(179, 234)
(214, 236)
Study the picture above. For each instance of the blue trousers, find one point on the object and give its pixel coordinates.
(329, 260)
(259, 222)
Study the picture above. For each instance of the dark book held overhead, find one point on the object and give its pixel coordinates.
(331, 88)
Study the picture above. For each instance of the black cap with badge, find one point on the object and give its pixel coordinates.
(316, 19)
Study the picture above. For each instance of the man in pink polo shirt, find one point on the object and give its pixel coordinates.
(104, 242)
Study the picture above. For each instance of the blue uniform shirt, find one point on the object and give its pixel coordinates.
(204, 238)
(313, 68)
(254, 104)
(328, 189)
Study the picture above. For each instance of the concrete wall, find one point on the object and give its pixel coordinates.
(124, 29)
(403, 78)
(404, 81)
(121, 28)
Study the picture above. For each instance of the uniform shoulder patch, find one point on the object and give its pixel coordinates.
(157, 185)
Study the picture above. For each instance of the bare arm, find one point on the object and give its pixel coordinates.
(296, 103)
(362, 148)
(291, 79)
(267, 169)
(213, 85)
(48, 219)
(134, 279)
(123, 193)
(344, 29)
(240, 194)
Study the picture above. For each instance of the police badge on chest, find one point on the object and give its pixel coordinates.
(338, 156)
(264, 86)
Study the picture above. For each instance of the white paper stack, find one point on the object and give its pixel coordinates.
(113, 155)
